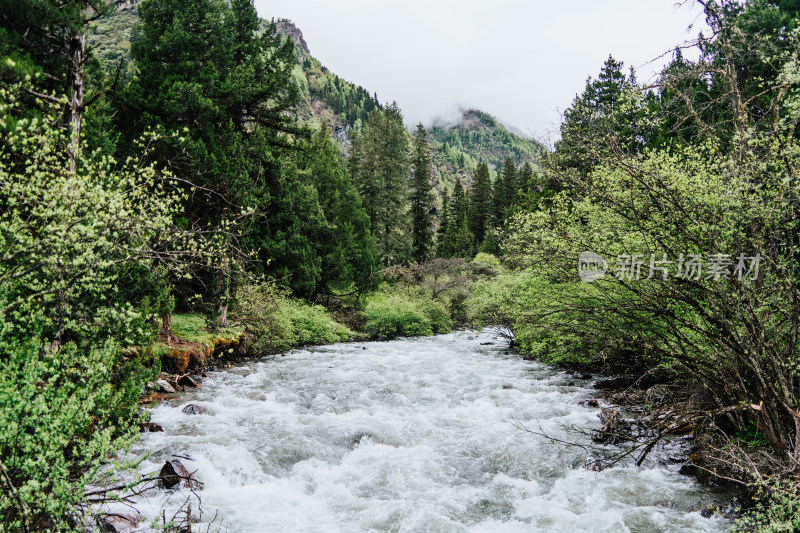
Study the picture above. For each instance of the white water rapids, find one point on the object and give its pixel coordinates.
(408, 435)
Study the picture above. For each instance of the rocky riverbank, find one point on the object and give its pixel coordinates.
(642, 420)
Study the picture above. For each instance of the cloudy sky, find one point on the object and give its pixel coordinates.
(520, 60)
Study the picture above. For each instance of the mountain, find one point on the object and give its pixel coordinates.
(457, 148)
(477, 136)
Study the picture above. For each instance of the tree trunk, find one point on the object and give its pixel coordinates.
(166, 328)
(223, 291)
(77, 59)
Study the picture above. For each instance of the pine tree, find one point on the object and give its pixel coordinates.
(225, 91)
(422, 198)
(499, 198)
(380, 168)
(457, 240)
(444, 222)
(600, 112)
(505, 192)
(345, 244)
(480, 204)
(460, 207)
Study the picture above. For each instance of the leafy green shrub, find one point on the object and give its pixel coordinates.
(437, 315)
(487, 259)
(62, 415)
(778, 511)
(398, 315)
(313, 324)
(531, 306)
(393, 316)
(277, 322)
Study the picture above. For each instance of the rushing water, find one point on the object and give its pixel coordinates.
(408, 435)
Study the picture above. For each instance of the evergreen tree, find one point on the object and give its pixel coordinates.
(510, 183)
(422, 198)
(457, 240)
(604, 110)
(345, 244)
(43, 47)
(505, 192)
(444, 221)
(499, 198)
(460, 206)
(379, 164)
(480, 204)
(225, 91)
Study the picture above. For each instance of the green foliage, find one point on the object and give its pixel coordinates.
(276, 322)
(728, 192)
(477, 136)
(228, 99)
(41, 36)
(350, 104)
(778, 509)
(77, 234)
(422, 199)
(68, 389)
(379, 164)
(480, 205)
(609, 111)
(344, 242)
(312, 324)
(62, 413)
(456, 240)
(487, 259)
(195, 328)
(533, 308)
(393, 314)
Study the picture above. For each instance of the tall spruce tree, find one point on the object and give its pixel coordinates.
(349, 257)
(480, 204)
(457, 240)
(379, 163)
(206, 74)
(422, 198)
(444, 220)
(505, 192)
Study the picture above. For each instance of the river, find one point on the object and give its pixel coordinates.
(407, 435)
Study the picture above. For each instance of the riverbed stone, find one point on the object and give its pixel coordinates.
(194, 409)
(174, 472)
(165, 386)
(118, 523)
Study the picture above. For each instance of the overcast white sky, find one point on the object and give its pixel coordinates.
(522, 61)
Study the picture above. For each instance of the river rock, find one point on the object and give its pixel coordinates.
(165, 386)
(117, 523)
(173, 472)
(151, 427)
(188, 381)
(193, 409)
